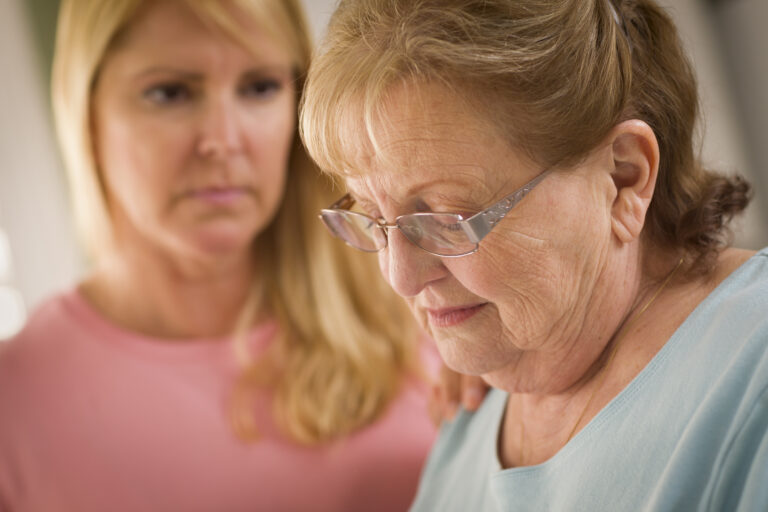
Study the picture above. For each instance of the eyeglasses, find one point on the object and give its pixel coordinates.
(443, 234)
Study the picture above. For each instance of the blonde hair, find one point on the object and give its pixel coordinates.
(344, 341)
(553, 77)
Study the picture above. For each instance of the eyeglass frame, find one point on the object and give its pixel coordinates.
(476, 227)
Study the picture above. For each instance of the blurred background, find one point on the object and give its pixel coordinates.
(726, 39)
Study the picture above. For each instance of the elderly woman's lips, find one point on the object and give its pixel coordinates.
(449, 317)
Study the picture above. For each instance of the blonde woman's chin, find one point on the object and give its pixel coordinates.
(217, 239)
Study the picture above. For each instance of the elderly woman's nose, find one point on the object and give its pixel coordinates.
(220, 128)
(407, 268)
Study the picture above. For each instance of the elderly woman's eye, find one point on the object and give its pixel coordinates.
(453, 226)
(367, 208)
(443, 222)
(165, 94)
(421, 206)
(372, 212)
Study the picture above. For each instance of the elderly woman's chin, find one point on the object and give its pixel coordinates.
(463, 336)
(472, 352)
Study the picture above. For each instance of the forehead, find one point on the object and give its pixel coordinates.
(173, 30)
(425, 138)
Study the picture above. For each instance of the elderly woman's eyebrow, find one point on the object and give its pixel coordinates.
(461, 187)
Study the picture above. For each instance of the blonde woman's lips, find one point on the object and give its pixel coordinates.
(220, 196)
(450, 317)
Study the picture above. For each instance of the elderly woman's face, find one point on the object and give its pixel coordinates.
(524, 289)
(192, 133)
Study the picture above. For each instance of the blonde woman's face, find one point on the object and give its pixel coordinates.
(192, 133)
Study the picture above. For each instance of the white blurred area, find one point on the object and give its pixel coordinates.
(726, 39)
(12, 310)
(34, 213)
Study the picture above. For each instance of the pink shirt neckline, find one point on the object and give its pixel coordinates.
(193, 349)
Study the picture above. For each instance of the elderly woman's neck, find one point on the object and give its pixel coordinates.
(649, 305)
(578, 343)
(164, 297)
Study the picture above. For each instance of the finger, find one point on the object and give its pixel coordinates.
(450, 410)
(473, 391)
(435, 406)
(451, 384)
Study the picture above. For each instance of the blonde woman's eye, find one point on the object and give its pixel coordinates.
(167, 94)
(261, 88)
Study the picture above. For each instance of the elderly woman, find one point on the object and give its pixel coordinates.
(526, 172)
(198, 204)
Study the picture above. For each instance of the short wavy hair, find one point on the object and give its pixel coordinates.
(553, 76)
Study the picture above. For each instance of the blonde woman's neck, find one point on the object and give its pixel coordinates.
(164, 297)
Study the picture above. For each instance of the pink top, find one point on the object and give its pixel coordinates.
(95, 418)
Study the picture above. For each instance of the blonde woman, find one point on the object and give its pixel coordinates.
(216, 312)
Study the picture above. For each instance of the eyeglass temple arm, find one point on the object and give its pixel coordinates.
(345, 203)
(479, 225)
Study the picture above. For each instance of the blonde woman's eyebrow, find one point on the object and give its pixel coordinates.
(177, 72)
(283, 71)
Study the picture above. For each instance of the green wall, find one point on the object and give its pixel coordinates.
(42, 17)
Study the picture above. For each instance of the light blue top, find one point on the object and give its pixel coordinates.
(689, 433)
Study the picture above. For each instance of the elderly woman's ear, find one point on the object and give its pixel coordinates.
(635, 168)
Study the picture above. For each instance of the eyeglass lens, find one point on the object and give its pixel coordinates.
(359, 231)
(436, 233)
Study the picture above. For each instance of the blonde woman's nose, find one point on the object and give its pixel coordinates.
(221, 132)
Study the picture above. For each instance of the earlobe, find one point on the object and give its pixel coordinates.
(628, 216)
(635, 168)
